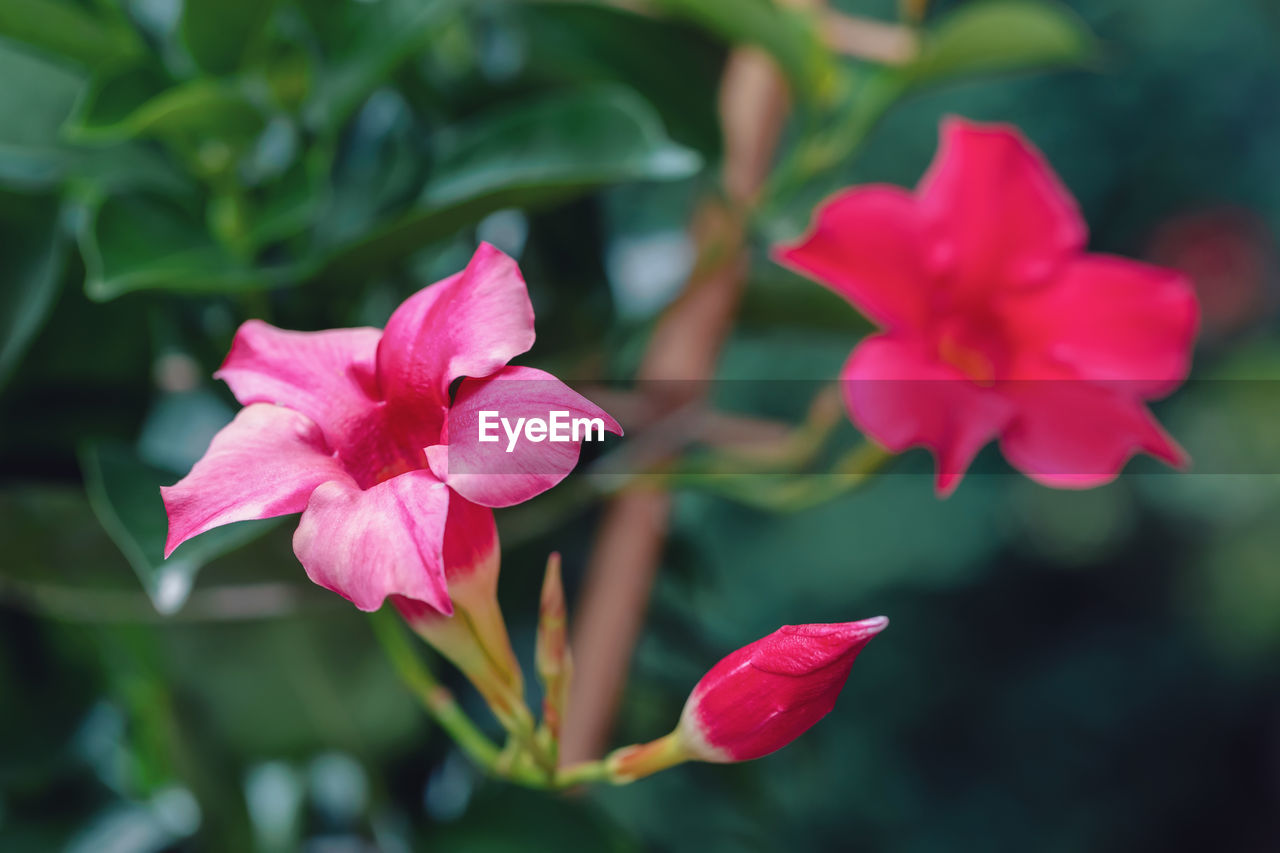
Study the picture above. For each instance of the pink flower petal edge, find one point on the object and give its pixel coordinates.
(286, 454)
(470, 324)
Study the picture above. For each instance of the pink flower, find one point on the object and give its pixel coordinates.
(360, 431)
(994, 321)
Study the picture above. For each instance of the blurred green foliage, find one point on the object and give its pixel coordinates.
(1065, 671)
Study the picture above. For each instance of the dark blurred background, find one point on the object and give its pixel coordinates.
(1064, 671)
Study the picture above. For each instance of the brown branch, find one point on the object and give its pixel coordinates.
(685, 346)
(867, 38)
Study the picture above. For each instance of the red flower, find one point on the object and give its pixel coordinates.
(755, 701)
(995, 323)
(766, 694)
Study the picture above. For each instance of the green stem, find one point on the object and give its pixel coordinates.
(791, 454)
(581, 774)
(629, 763)
(792, 492)
(435, 697)
(819, 152)
(526, 743)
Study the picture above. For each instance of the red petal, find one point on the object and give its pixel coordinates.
(1074, 434)
(902, 398)
(998, 215)
(265, 463)
(1113, 319)
(866, 245)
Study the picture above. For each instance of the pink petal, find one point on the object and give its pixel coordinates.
(264, 463)
(386, 540)
(1069, 433)
(485, 472)
(328, 376)
(865, 244)
(470, 324)
(470, 550)
(997, 213)
(1113, 319)
(901, 397)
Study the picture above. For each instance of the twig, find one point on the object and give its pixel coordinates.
(867, 38)
(684, 346)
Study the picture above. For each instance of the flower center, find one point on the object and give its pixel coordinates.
(974, 344)
(386, 442)
(970, 361)
(395, 468)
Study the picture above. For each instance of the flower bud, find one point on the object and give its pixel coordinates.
(766, 694)
(555, 666)
(755, 701)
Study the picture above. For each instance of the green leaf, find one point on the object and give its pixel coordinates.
(218, 33)
(381, 167)
(34, 153)
(315, 679)
(136, 104)
(546, 824)
(981, 37)
(790, 36)
(560, 143)
(69, 31)
(42, 94)
(114, 96)
(141, 242)
(288, 206)
(366, 43)
(100, 171)
(541, 152)
(33, 248)
(181, 425)
(565, 43)
(993, 36)
(125, 495)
